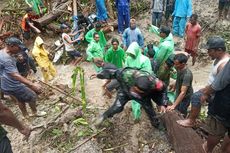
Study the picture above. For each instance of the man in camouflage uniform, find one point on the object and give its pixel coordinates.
(135, 85)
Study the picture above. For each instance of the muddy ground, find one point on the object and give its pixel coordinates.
(122, 134)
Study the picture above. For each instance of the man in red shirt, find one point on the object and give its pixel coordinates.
(27, 24)
(192, 37)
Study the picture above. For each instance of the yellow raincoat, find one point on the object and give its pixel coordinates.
(41, 57)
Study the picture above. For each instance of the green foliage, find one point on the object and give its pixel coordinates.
(203, 115)
(80, 121)
(84, 133)
(57, 109)
(57, 132)
(79, 71)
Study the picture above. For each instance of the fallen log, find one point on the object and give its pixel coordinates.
(48, 18)
(183, 140)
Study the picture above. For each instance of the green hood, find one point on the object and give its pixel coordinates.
(142, 62)
(134, 49)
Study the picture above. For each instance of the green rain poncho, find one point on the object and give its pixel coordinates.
(35, 4)
(89, 37)
(141, 62)
(165, 47)
(94, 50)
(116, 57)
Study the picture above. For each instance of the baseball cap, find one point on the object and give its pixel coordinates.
(15, 41)
(165, 30)
(215, 42)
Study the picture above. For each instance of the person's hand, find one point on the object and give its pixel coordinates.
(170, 108)
(172, 87)
(38, 31)
(26, 132)
(162, 109)
(36, 88)
(203, 98)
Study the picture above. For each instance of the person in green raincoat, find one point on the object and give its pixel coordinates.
(89, 35)
(135, 59)
(166, 44)
(94, 51)
(37, 6)
(115, 54)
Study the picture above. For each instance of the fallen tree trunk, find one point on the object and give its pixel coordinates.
(184, 140)
(48, 18)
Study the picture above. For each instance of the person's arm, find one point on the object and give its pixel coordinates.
(89, 36)
(181, 96)
(140, 39)
(102, 38)
(75, 33)
(32, 64)
(25, 81)
(152, 4)
(162, 52)
(154, 29)
(28, 3)
(71, 41)
(108, 56)
(186, 31)
(32, 26)
(124, 38)
(8, 118)
(198, 35)
(187, 79)
(89, 53)
(175, 7)
(222, 79)
(11, 70)
(189, 11)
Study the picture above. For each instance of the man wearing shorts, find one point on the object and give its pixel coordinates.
(218, 121)
(12, 83)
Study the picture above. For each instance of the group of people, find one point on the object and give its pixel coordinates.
(137, 72)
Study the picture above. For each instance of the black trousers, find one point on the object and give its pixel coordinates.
(122, 98)
(5, 146)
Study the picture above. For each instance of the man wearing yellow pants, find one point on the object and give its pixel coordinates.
(41, 57)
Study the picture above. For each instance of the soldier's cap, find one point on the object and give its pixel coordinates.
(145, 83)
(15, 41)
(215, 42)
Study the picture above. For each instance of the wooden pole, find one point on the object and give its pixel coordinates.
(75, 7)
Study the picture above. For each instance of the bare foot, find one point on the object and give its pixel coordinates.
(186, 123)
